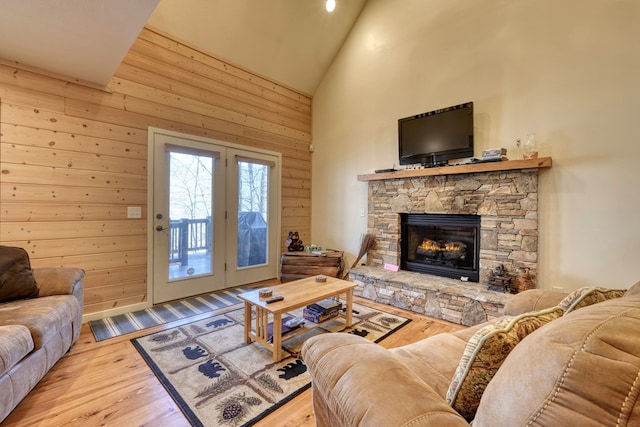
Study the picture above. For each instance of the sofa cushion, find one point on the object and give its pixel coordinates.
(484, 354)
(433, 359)
(359, 383)
(16, 277)
(581, 370)
(15, 344)
(44, 316)
(532, 300)
(588, 295)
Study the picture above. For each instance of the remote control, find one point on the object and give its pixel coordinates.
(275, 299)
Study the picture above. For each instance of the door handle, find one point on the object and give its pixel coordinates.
(159, 228)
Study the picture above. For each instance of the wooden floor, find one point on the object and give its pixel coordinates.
(108, 384)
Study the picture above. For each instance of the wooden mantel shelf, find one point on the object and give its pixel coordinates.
(542, 162)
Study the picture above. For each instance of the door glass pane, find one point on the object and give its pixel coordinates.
(253, 206)
(190, 215)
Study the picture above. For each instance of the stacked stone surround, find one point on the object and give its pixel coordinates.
(507, 202)
(438, 297)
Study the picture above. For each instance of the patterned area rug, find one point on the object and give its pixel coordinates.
(163, 313)
(218, 380)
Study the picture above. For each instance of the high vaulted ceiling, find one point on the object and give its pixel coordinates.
(290, 41)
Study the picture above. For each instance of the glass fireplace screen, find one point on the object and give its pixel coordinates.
(444, 245)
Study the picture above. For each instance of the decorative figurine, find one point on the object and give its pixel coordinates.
(293, 242)
(500, 280)
(524, 280)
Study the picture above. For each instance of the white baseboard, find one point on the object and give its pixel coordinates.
(115, 311)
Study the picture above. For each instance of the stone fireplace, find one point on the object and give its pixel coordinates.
(506, 202)
(502, 197)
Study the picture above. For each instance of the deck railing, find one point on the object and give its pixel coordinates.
(188, 236)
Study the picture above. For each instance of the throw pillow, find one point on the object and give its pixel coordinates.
(588, 295)
(16, 277)
(484, 354)
(634, 289)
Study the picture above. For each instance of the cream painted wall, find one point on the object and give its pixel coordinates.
(567, 70)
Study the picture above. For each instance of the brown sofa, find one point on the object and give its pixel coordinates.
(38, 329)
(579, 366)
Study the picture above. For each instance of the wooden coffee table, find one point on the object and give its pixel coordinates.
(297, 294)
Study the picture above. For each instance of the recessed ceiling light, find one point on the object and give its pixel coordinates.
(331, 5)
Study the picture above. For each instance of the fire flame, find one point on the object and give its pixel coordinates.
(451, 247)
(430, 245)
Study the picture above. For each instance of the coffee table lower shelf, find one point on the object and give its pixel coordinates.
(297, 294)
(265, 331)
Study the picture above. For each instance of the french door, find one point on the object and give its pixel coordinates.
(215, 221)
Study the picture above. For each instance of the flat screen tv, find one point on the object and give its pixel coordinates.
(435, 137)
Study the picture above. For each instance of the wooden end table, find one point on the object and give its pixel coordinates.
(297, 294)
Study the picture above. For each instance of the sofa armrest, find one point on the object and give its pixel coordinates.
(58, 281)
(532, 300)
(362, 384)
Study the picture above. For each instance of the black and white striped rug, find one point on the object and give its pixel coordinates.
(163, 313)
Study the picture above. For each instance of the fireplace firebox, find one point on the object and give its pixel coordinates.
(442, 245)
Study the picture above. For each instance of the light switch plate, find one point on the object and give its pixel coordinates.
(134, 212)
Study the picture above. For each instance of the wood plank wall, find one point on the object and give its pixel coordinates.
(72, 157)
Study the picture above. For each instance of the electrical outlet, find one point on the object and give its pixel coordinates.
(362, 212)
